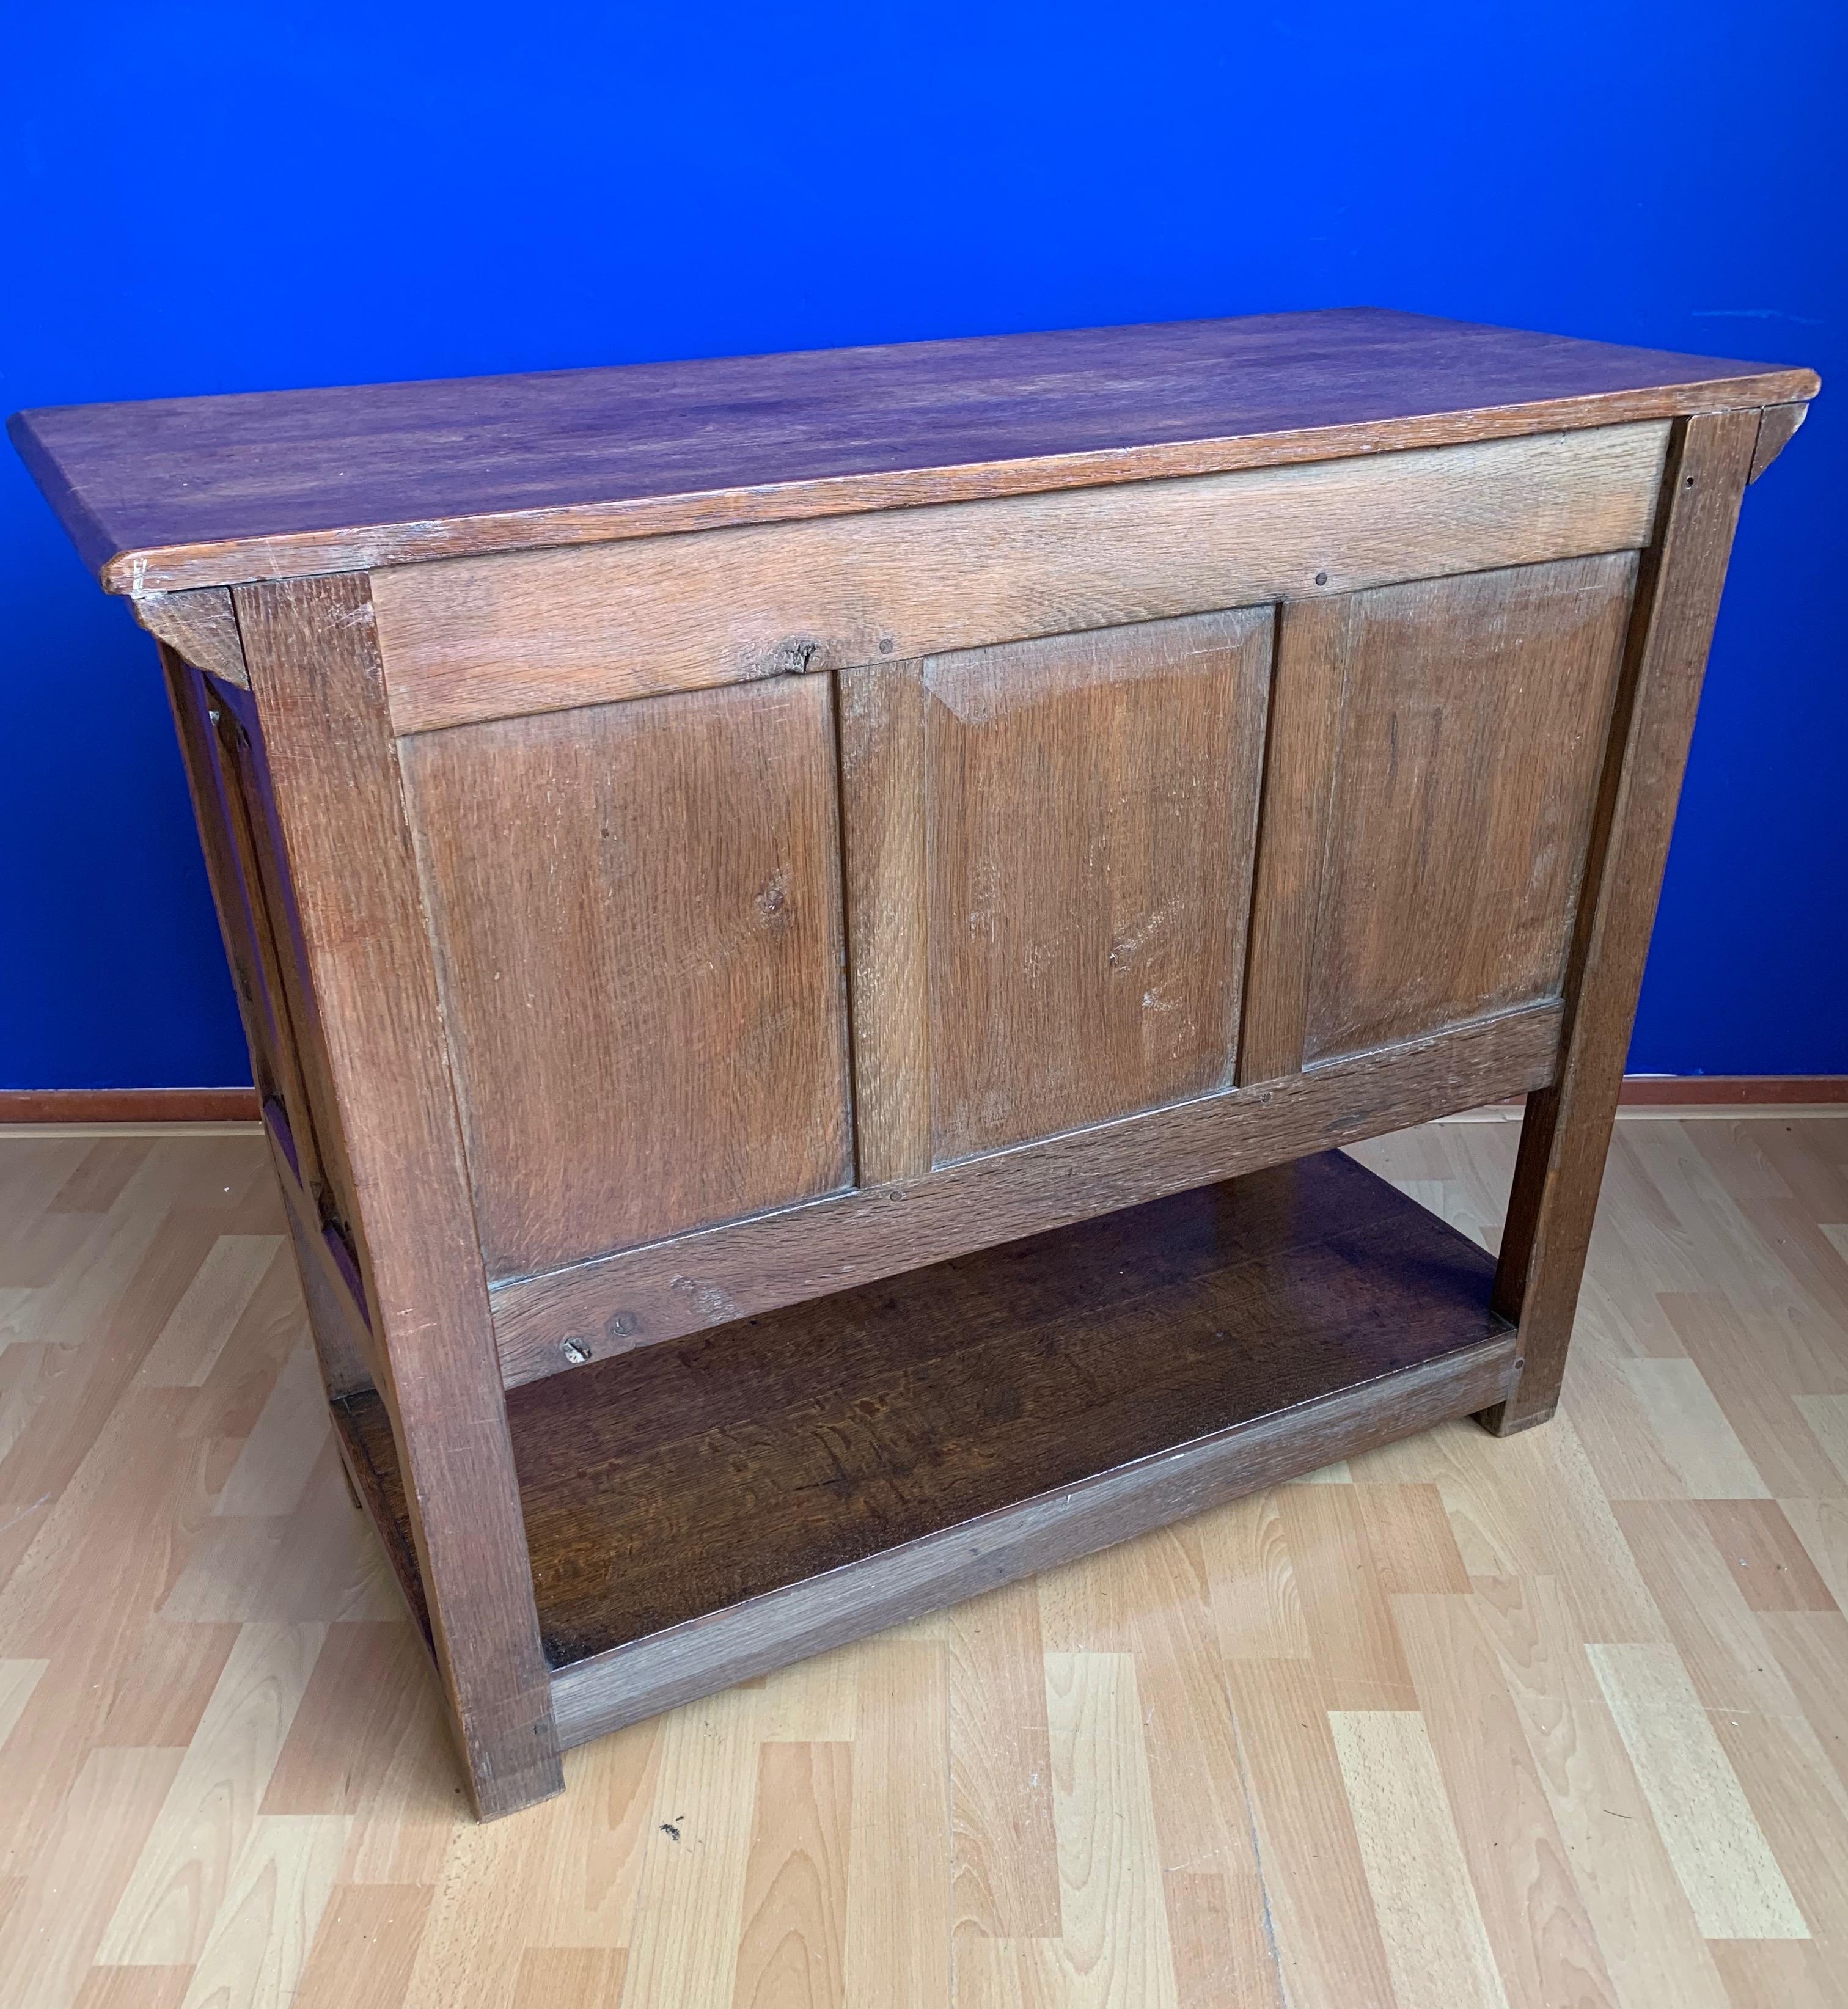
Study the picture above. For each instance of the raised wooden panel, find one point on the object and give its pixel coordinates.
(474, 638)
(637, 912)
(1091, 800)
(1475, 715)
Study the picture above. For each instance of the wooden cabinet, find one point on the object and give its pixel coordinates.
(809, 928)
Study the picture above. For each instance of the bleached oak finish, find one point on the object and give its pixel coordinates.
(892, 1808)
(487, 638)
(702, 838)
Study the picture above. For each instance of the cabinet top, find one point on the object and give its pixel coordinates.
(177, 492)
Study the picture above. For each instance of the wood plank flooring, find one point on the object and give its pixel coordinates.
(1558, 1721)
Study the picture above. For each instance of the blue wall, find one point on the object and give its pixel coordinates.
(212, 198)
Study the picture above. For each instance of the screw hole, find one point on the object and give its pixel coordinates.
(575, 1351)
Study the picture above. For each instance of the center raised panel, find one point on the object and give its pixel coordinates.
(1050, 849)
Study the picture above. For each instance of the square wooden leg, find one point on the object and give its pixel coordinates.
(1567, 1130)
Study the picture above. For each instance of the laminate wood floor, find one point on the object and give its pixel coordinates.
(1562, 1720)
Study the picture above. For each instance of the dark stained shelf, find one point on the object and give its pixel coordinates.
(664, 1484)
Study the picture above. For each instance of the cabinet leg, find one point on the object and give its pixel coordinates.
(1551, 1209)
(1567, 1130)
(318, 685)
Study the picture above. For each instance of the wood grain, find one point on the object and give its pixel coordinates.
(1327, 1928)
(792, 1947)
(200, 627)
(1774, 1571)
(690, 1901)
(484, 638)
(1568, 1126)
(241, 737)
(1003, 1854)
(339, 799)
(884, 857)
(1544, 1946)
(383, 474)
(342, 1336)
(1302, 771)
(898, 1940)
(863, 1379)
(674, 1287)
(140, 1107)
(1645, 1931)
(604, 1693)
(58, 1911)
(1153, 1603)
(209, 1820)
(1092, 802)
(1114, 1939)
(1777, 427)
(1719, 1852)
(1345, 1613)
(313, 1147)
(362, 1954)
(1474, 713)
(277, 974)
(1437, 1947)
(564, 901)
(234, 895)
(342, 1339)
(807, 1541)
(636, 916)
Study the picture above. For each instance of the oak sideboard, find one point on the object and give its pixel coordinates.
(810, 928)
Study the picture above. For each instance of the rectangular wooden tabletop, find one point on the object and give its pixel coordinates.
(179, 493)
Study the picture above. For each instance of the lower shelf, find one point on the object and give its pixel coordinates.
(703, 1509)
